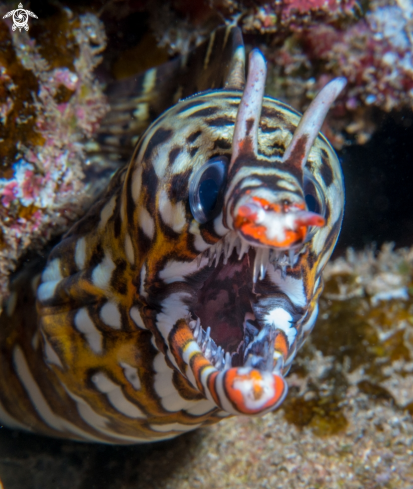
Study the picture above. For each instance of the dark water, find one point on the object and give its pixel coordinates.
(379, 187)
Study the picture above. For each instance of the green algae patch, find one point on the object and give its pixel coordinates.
(374, 391)
(318, 402)
(323, 416)
(145, 55)
(55, 38)
(343, 331)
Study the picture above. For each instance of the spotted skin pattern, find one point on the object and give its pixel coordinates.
(99, 342)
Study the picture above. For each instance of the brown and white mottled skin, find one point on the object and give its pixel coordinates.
(108, 340)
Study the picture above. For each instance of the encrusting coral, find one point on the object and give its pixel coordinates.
(51, 105)
(372, 292)
(374, 54)
(309, 42)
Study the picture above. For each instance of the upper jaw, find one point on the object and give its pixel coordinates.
(265, 256)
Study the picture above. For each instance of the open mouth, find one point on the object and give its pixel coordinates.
(242, 323)
(228, 318)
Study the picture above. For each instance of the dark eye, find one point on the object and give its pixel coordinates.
(314, 197)
(206, 189)
(312, 204)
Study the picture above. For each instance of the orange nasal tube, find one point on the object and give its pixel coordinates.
(297, 221)
(249, 403)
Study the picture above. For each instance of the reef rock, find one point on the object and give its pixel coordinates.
(50, 106)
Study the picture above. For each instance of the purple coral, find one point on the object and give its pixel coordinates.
(375, 55)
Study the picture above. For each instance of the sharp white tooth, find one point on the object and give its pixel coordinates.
(219, 356)
(230, 245)
(199, 259)
(263, 270)
(208, 333)
(197, 331)
(244, 249)
(228, 361)
(275, 257)
(214, 360)
(207, 349)
(248, 362)
(291, 256)
(194, 324)
(256, 268)
(262, 256)
(213, 347)
(265, 256)
(218, 252)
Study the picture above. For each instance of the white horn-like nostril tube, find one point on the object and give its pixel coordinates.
(311, 122)
(248, 117)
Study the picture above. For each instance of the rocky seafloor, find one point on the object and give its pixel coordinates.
(347, 421)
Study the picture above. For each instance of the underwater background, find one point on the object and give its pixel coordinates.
(347, 421)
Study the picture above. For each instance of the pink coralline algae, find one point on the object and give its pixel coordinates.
(274, 17)
(375, 54)
(179, 24)
(309, 42)
(45, 188)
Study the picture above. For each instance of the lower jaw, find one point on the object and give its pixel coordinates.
(224, 351)
(237, 390)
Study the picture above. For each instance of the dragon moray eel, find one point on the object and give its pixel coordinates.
(185, 292)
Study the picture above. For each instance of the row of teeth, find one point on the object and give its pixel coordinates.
(258, 348)
(220, 359)
(264, 257)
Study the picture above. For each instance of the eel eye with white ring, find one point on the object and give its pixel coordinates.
(206, 189)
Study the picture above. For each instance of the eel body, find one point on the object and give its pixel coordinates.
(184, 294)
